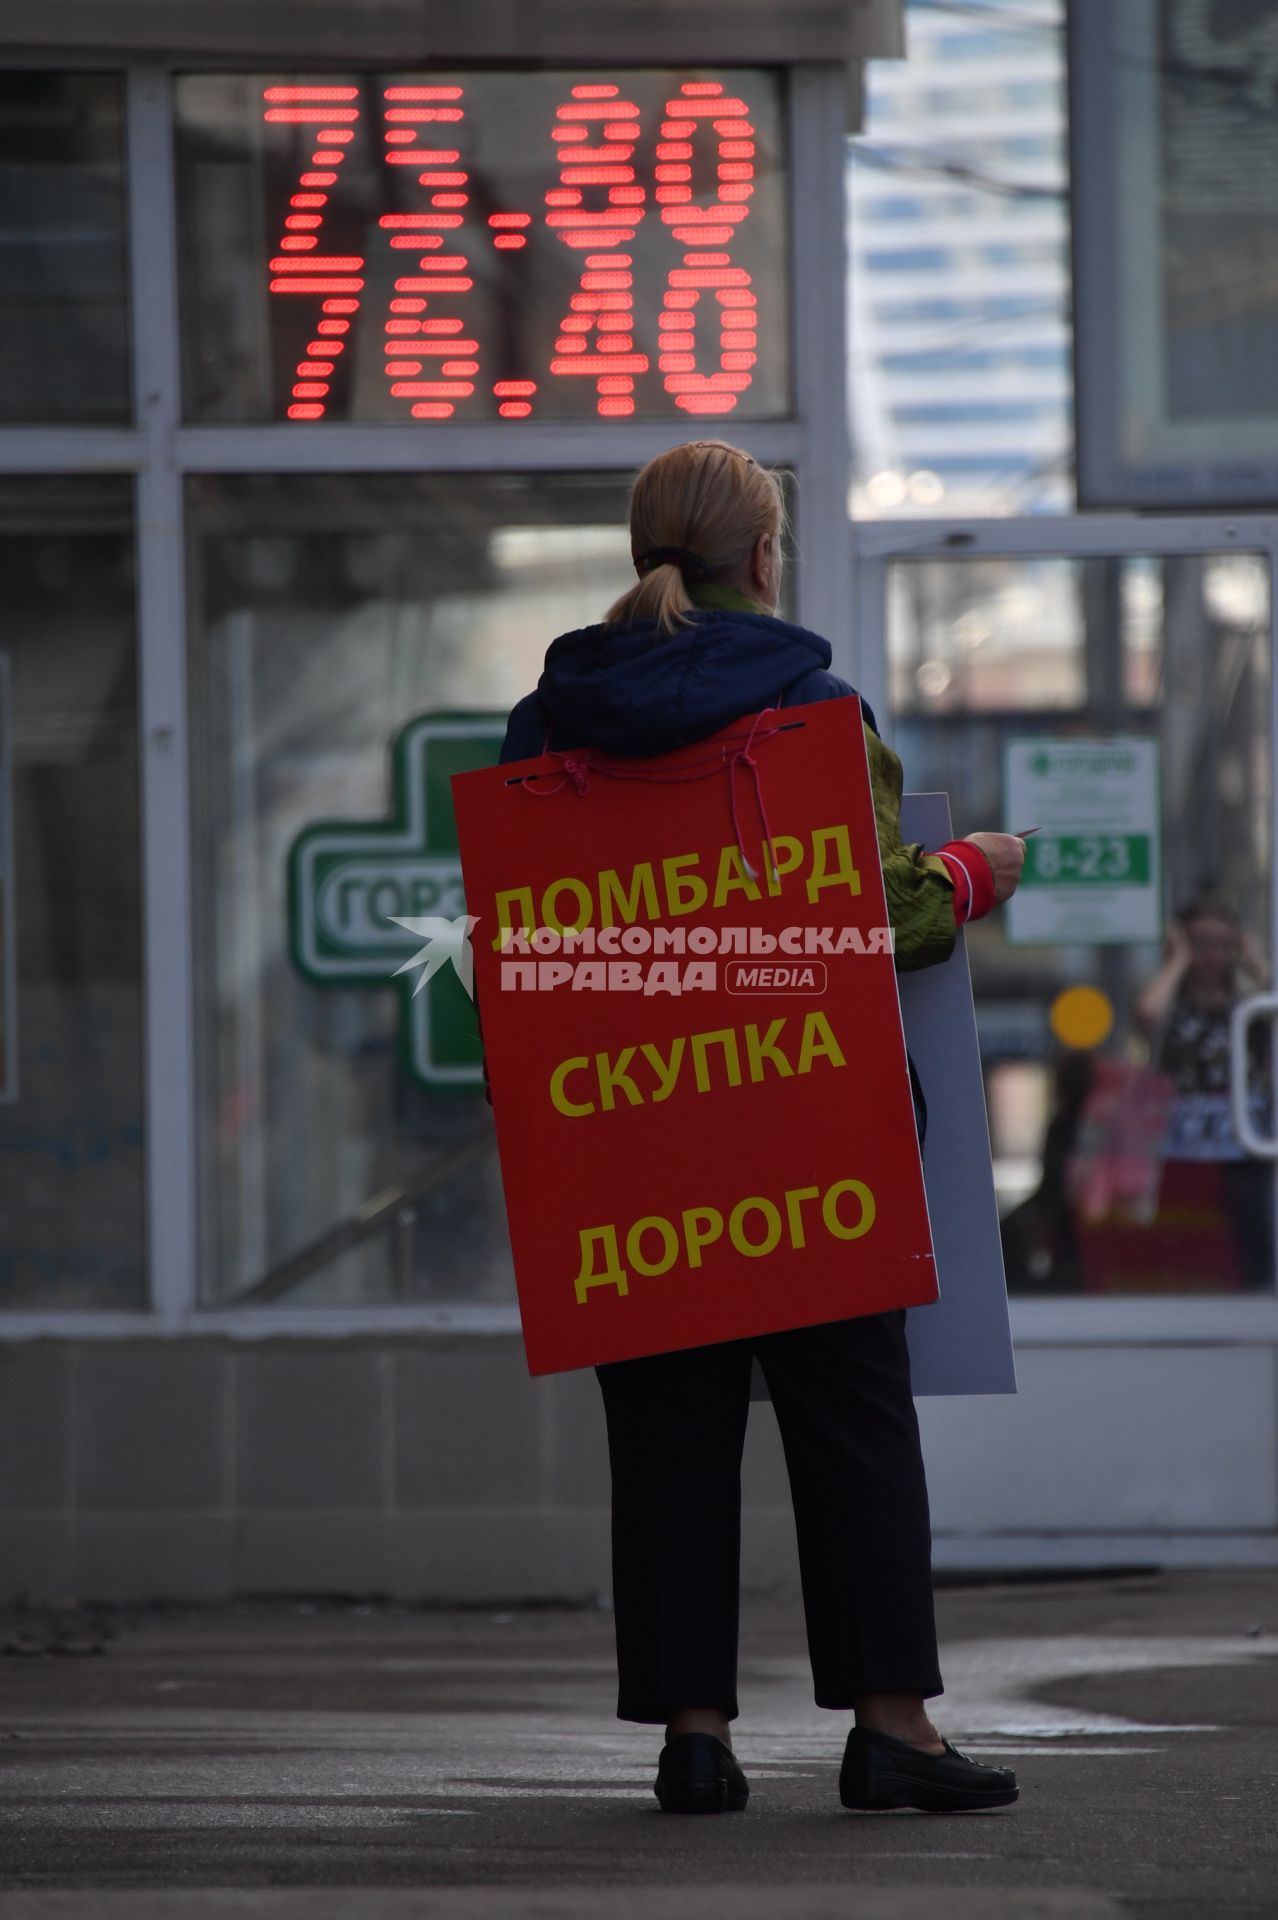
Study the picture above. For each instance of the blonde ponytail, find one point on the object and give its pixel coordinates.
(709, 501)
(659, 598)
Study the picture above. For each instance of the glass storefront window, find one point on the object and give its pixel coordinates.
(476, 246)
(328, 612)
(1176, 214)
(72, 1163)
(63, 258)
(1115, 1159)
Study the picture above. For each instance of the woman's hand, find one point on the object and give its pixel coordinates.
(1177, 951)
(1006, 855)
(1154, 1002)
(1251, 959)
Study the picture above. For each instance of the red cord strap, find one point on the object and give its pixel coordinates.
(579, 768)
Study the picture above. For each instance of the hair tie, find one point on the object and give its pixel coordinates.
(691, 565)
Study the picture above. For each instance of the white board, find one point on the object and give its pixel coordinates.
(962, 1343)
(1093, 870)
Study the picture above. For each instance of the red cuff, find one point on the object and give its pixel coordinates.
(973, 878)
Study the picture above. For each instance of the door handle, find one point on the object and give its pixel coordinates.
(1252, 1008)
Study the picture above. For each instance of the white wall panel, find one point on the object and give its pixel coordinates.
(1098, 1438)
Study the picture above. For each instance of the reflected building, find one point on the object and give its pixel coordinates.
(958, 242)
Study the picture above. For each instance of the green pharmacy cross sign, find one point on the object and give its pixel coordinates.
(349, 882)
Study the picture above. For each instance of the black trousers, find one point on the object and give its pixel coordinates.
(676, 1428)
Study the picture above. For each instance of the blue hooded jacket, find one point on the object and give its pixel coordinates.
(634, 691)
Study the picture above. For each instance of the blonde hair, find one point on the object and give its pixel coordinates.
(707, 499)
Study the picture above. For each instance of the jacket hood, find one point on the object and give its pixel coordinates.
(635, 691)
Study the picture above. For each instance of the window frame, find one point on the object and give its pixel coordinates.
(1072, 1319)
(159, 451)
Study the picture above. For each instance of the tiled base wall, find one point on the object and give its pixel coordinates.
(200, 1469)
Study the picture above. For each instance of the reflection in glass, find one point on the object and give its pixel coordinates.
(1215, 71)
(330, 611)
(958, 229)
(63, 263)
(1211, 962)
(71, 1128)
(1116, 1166)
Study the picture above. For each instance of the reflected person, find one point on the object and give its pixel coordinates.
(1185, 1011)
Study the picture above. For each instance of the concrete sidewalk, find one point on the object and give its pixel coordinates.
(444, 1766)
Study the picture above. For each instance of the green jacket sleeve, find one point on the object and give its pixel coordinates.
(920, 893)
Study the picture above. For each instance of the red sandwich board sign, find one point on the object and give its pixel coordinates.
(685, 980)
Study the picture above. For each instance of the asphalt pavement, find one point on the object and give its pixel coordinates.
(311, 1763)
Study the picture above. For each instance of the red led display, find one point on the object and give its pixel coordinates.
(612, 219)
(430, 382)
(643, 203)
(701, 107)
(299, 269)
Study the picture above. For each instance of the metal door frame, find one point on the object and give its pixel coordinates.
(861, 653)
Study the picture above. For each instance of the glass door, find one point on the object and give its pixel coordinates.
(1108, 683)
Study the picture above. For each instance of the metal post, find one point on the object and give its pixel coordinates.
(164, 773)
(818, 149)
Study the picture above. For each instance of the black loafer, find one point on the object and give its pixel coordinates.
(879, 1772)
(698, 1774)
